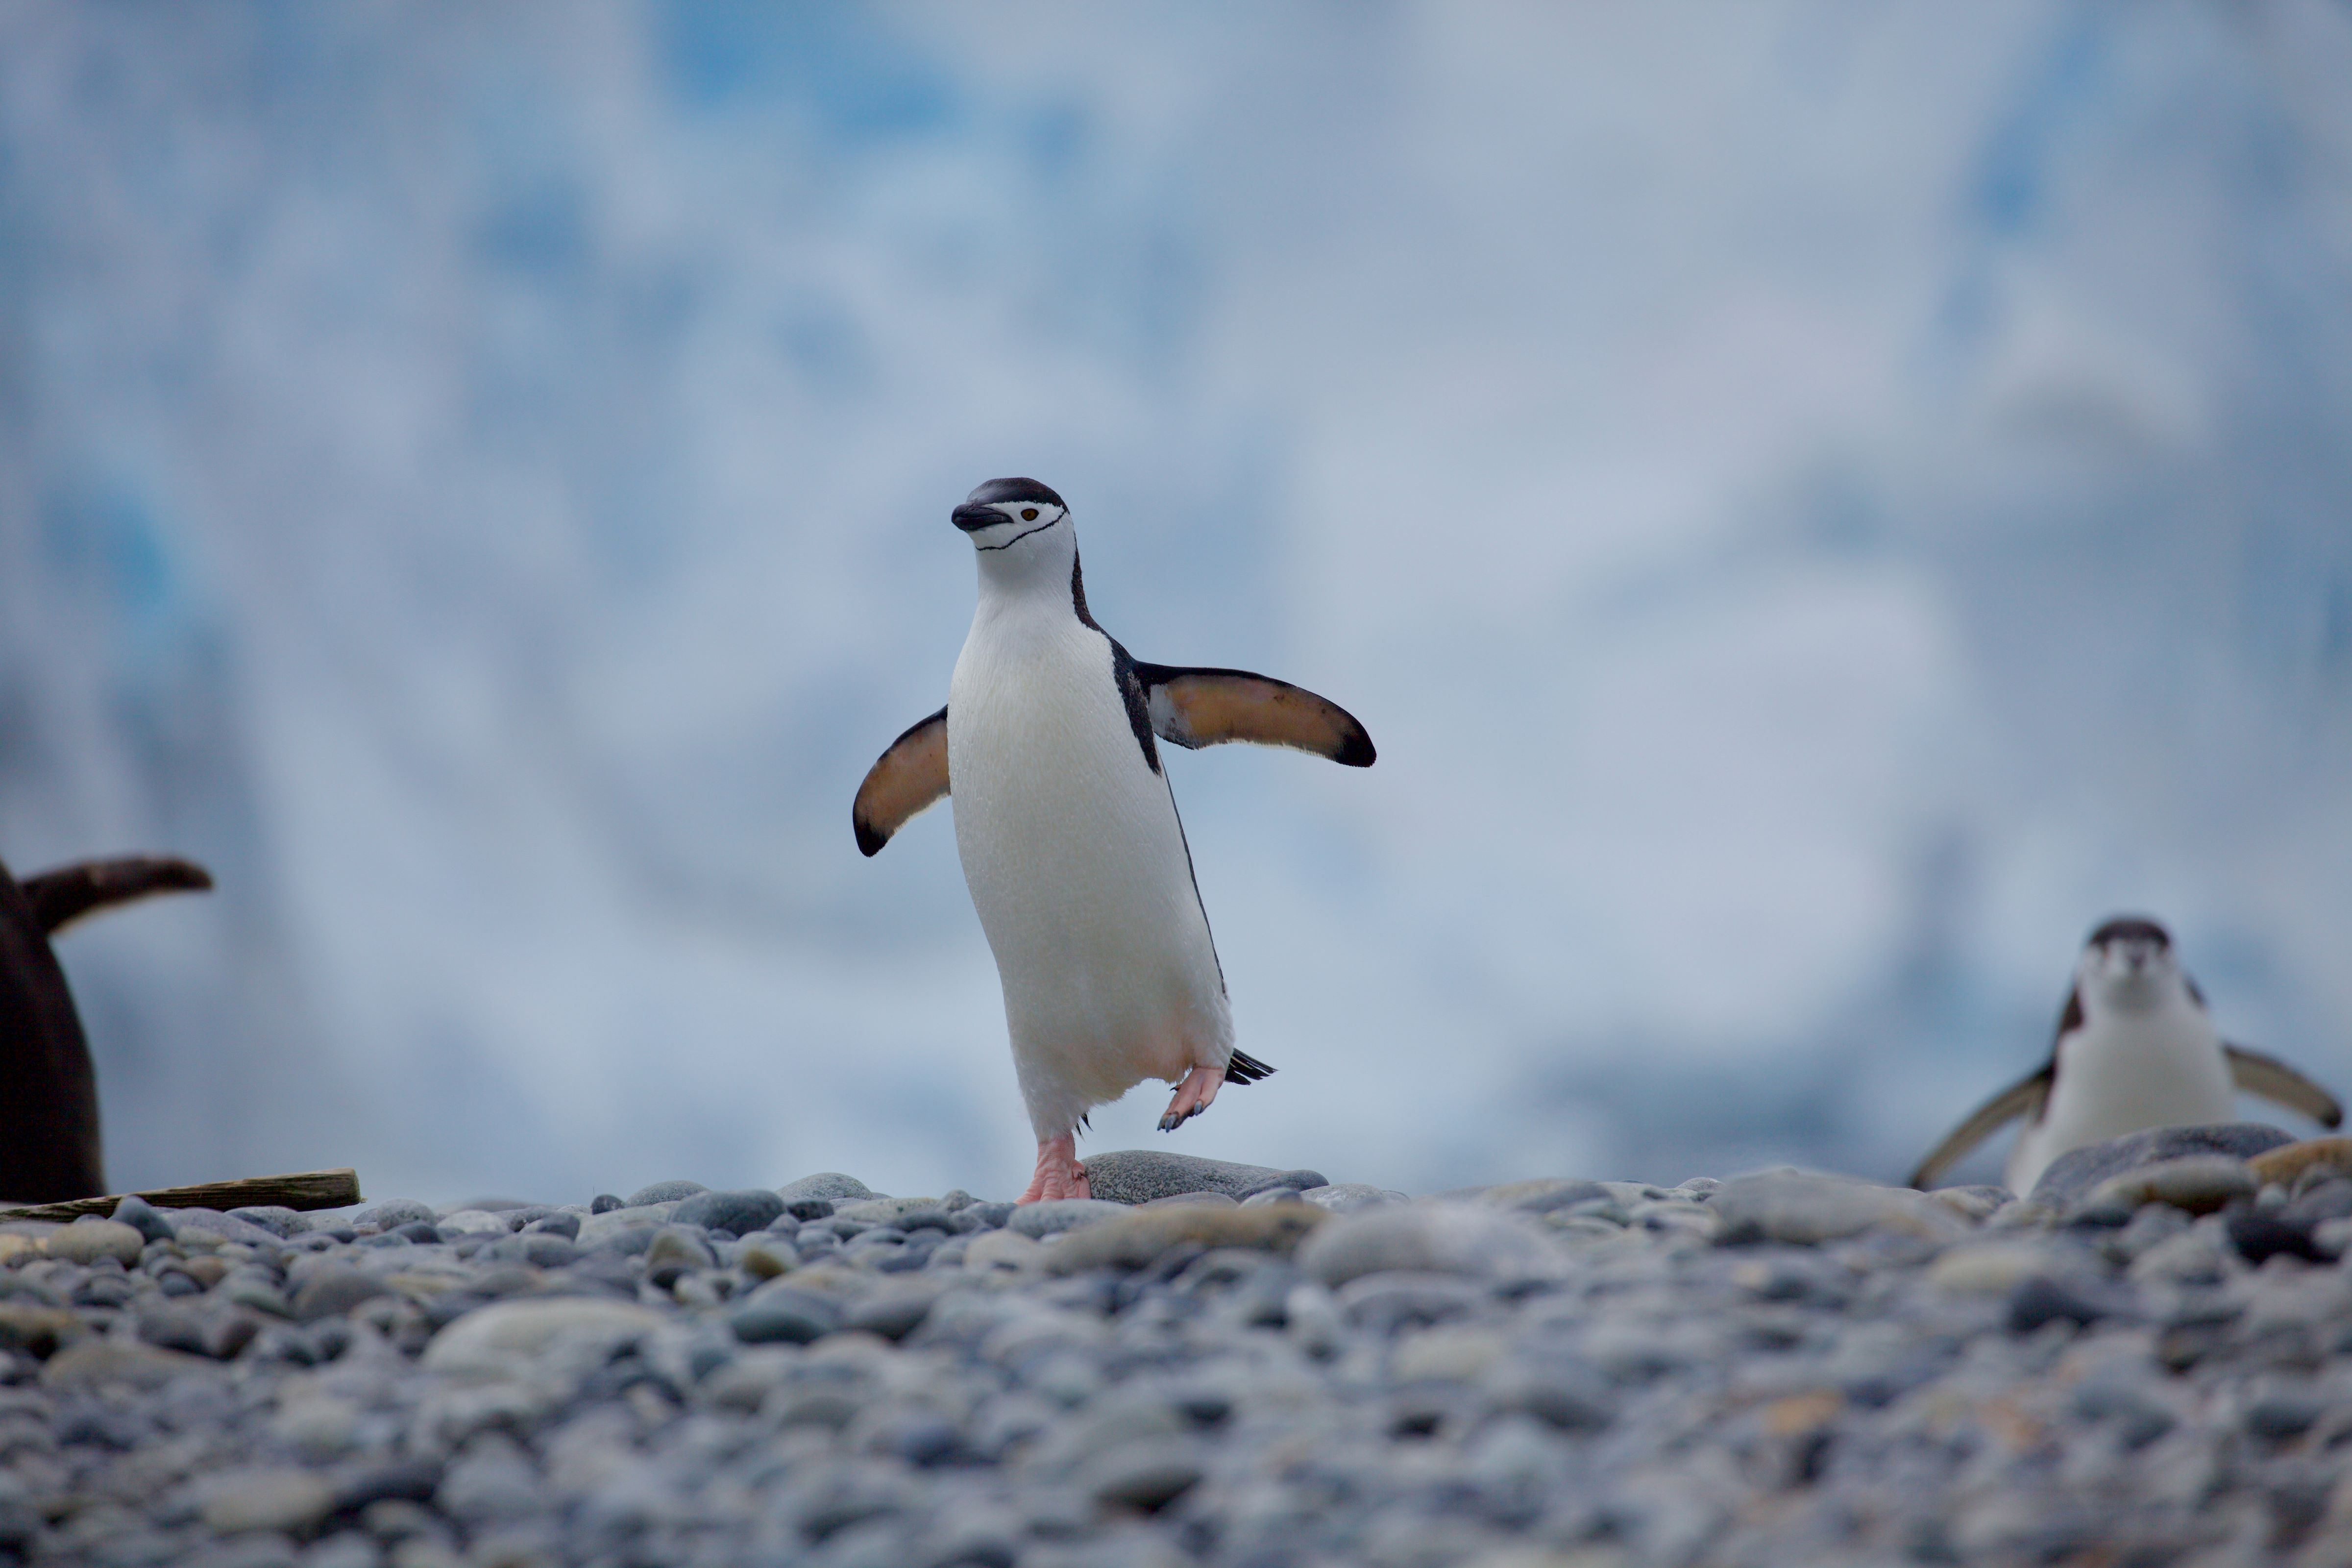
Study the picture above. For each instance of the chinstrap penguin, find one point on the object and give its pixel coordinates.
(1067, 830)
(2135, 1048)
(51, 1150)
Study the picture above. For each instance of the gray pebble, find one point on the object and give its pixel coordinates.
(893, 1316)
(674, 1251)
(1446, 1239)
(2198, 1184)
(742, 1211)
(826, 1185)
(883, 1211)
(333, 1291)
(278, 1221)
(781, 1312)
(144, 1218)
(391, 1215)
(664, 1193)
(1543, 1196)
(1806, 1208)
(1038, 1221)
(1145, 1476)
(2072, 1176)
(1346, 1197)
(214, 1223)
(89, 1238)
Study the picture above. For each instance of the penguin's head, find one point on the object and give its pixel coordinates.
(1012, 517)
(2128, 966)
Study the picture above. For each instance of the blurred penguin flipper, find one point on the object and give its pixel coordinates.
(85, 887)
(2274, 1080)
(2023, 1099)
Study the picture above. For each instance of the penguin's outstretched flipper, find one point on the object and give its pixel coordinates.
(911, 775)
(85, 887)
(2024, 1098)
(2280, 1084)
(1194, 707)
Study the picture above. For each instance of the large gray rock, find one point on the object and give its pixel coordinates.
(1140, 1175)
(2072, 1176)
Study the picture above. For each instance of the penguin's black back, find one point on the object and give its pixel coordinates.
(49, 1151)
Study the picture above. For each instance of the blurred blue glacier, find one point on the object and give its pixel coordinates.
(1818, 504)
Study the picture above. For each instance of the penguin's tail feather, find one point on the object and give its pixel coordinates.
(1243, 1068)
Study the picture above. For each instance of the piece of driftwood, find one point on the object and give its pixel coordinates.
(303, 1190)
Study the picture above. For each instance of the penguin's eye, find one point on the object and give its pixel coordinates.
(1028, 514)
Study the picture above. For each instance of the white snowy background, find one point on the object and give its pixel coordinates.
(1817, 505)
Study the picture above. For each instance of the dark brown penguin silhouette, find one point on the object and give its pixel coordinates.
(49, 1151)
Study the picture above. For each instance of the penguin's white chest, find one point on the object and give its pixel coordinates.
(1078, 869)
(2121, 1073)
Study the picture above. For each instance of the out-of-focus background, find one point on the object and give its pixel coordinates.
(1817, 505)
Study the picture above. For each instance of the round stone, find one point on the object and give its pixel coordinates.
(1443, 1238)
(2198, 1183)
(506, 1339)
(831, 1185)
(1056, 1215)
(144, 1218)
(2290, 1163)
(782, 1314)
(87, 1239)
(284, 1499)
(664, 1193)
(1806, 1208)
(276, 1219)
(742, 1211)
(391, 1213)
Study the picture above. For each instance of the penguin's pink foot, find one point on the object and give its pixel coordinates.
(1193, 1096)
(1059, 1174)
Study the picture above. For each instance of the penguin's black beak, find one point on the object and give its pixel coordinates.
(972, 518)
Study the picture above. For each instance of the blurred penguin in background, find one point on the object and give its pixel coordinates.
(2135, 1048)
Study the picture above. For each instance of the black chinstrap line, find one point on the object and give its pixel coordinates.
(1018, 537)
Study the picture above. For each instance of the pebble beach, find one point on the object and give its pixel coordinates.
(2146, 1361)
